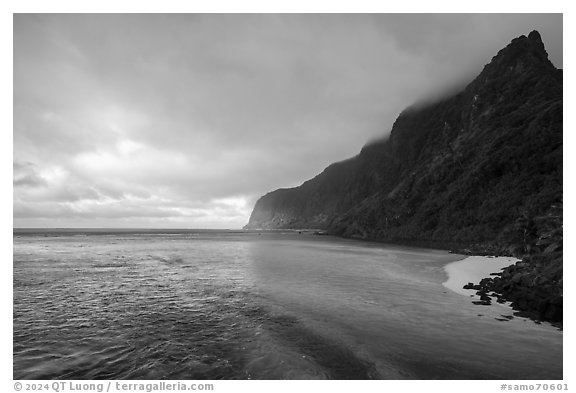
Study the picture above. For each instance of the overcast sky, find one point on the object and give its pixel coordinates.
(185, 120)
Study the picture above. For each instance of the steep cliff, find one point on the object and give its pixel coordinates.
(462, 170)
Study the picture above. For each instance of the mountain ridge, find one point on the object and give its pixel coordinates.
(519, 80)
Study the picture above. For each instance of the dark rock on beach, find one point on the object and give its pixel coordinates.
(533, 286)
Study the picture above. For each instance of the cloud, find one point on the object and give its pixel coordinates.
(26, 175)
(184, 120)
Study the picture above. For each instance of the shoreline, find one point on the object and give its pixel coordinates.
(531, 285)
(472, 270)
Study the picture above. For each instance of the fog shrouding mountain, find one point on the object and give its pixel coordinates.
(460, 169)
(183, 120)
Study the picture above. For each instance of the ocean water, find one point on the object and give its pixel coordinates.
(243, 305)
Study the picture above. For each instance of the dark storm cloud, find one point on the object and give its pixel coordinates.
(185, 119)
(26, 175)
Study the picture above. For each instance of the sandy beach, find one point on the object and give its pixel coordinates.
(473, 269)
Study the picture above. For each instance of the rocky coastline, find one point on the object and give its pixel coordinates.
(479, 172)
(533, 286)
